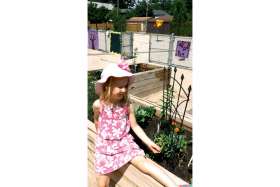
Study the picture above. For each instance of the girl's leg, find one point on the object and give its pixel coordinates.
(149, 168)
(103, 180)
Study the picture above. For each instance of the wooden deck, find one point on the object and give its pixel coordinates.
(127, 176)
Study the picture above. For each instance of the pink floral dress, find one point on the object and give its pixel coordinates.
(114, 145)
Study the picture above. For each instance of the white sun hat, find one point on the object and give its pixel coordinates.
(113, 70)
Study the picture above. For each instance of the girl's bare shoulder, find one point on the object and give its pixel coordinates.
(96, 104)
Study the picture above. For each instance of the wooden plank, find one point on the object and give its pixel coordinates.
(139, 178)
(145, 91)
(153, 81)
(149, 66)
(176, 179)
(91, 178)
(91, 155)
(148, 92)
(91, 145)
(156, 73)
(91, 137)
(91, 162)
(146, 87)
(122, 179)
(141, 75)
(91, 126)
(147, 81)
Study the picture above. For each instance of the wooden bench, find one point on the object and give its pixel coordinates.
(127, 176)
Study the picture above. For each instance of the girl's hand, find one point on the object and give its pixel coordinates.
(154, 147)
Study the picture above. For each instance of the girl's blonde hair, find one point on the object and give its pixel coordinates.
(106, 92)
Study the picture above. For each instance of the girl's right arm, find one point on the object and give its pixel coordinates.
(96, 107)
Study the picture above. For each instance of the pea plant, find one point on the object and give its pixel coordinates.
(144, 114)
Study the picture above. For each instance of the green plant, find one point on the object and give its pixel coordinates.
(169, 126)
(165, 125)
(143, 114)
(176, 129)
(172, 144)
(165, 121)
(167, 102)
(93, 76)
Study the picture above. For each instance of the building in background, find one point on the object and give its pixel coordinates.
(164, 28)
(137, 24)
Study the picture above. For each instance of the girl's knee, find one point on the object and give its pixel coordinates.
(103, 181)
(145, 166)
(103, 184)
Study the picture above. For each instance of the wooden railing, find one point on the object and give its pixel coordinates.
(127, 176)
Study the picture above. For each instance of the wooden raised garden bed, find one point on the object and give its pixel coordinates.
(148, 79)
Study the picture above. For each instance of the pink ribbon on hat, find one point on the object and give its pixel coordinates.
(123, 65)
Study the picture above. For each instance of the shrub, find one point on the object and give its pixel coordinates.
(144, 114)
(171, 144)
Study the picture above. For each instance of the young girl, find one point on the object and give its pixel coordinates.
(113, 117)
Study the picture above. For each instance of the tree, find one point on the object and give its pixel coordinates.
(141, 8)
(124, 4)
(97, 15)
(91, 12)
(166, 5)
(181, 24)
(119, 21)
(189, 8)
(161, 5)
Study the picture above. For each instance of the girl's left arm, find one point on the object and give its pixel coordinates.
(140, 133)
